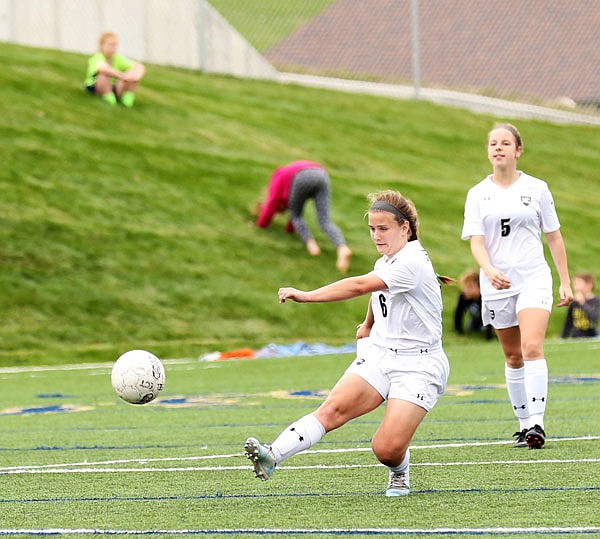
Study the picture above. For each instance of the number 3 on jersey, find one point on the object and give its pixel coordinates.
(504, 227)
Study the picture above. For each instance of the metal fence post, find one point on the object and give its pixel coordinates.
(416, 60)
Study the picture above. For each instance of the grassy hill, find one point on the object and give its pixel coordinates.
(131, 228)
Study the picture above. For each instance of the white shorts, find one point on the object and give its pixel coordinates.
(502, 313)
(417, 377)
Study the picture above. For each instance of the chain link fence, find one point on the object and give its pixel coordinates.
(543, 52)
(538, 52)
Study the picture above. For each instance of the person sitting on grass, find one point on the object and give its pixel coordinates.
(582, 316)
(111, 75)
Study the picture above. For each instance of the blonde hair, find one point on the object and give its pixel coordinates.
(404, 206)
(105, 36)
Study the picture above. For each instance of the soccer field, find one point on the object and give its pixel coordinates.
(77, 461)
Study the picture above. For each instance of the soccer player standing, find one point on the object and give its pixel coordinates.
(505, 215)
(402, 360)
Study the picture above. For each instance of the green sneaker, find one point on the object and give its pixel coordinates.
(111, 98)
(262, 458)
(399, 484)
(128, 99)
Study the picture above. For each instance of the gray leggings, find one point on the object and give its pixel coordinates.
(313, 183)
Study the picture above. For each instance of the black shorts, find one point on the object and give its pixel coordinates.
(92, 89)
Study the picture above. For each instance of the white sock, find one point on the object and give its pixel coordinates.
(536, 385)
(515, 384)
(404, 465)
(300, 435)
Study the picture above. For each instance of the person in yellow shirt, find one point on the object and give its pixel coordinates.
(111, 75)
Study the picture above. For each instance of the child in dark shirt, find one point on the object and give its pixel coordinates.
(583, 313)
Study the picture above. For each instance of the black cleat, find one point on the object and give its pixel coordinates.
(535, 437)
(520, 441)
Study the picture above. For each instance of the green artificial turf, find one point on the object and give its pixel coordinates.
(77, 460)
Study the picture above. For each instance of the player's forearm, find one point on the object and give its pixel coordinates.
(480, 254)
(369, 318)
(559, 255)
(348, 288)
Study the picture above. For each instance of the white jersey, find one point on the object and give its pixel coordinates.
(408, 314)
(511, 220)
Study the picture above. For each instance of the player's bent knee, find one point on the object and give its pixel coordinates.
(387, 453)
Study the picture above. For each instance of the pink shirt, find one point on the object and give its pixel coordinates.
(279, 191)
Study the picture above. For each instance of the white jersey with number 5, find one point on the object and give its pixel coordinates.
(408, 314)
(511, 220)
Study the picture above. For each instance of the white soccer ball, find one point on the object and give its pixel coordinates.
(138, 376)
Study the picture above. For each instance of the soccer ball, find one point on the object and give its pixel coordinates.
(138, 376)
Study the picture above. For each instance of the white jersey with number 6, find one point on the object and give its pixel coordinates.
(511, 220)
(408, 314)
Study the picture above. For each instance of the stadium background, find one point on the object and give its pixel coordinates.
(192, 137)
(541, 52)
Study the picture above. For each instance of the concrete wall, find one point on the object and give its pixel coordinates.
(183, 33)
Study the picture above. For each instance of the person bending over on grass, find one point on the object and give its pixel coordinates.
(111, 75)
(400, 358)
(505, 215)
(289, 188)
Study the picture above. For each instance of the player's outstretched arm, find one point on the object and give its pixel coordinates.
(348, 288)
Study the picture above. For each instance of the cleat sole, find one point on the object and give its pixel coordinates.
(535, 442)
(252, 453)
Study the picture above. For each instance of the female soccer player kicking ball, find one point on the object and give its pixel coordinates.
(400, 358)
(505, 215)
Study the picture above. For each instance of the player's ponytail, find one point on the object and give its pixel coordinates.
(444, 279)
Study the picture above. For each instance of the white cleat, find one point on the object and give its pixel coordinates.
(399, 484)
(262, 458)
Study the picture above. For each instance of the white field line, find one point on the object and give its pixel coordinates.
(458, 444)
(542, 530)
(41, 467)
(592, 344)
(81, 366)
(95, 469)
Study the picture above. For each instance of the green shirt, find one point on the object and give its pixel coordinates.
(119, 62)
